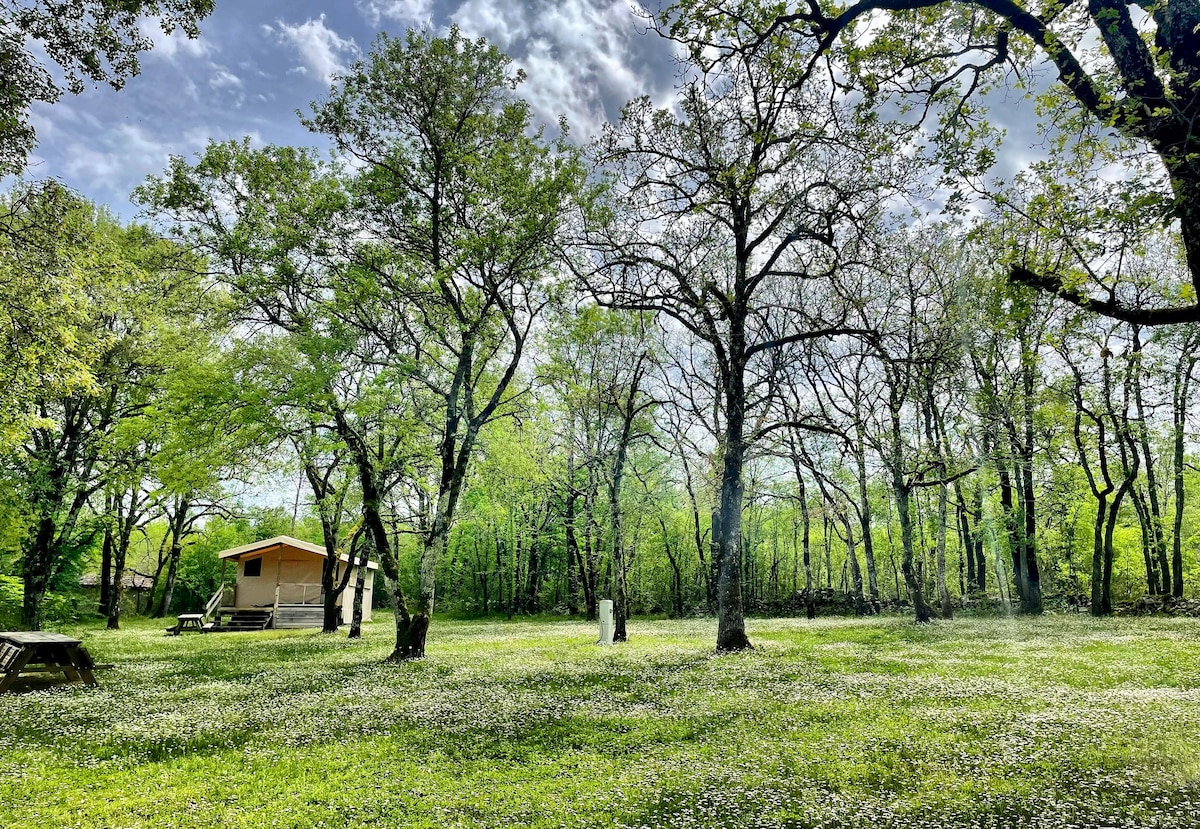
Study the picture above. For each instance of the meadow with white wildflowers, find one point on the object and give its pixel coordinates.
(1051, 722)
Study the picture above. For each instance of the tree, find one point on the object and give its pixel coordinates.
(461, 206)
(733, 209)
(129, 496)
(88, 40)
(1101, 430)
(1006, 359)
(270, 223)
(1128, 82)
(912, 313)
(1187, 349)
(45, 309)
(845, 390)
(600, 367)
(140, 309)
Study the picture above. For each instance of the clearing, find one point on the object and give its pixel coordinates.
(1049, 722)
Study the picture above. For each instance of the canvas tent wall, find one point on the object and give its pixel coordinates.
(287, 571)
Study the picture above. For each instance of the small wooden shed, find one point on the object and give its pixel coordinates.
(284, 575)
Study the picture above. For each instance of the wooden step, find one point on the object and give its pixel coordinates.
(243, 620)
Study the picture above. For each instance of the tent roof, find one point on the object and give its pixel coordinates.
(285, 541)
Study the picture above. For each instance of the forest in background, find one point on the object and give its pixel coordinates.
(772, 350)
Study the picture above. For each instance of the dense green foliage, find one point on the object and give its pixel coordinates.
(771, 350)
(726, 360)
(1032, 722)
(96, 41)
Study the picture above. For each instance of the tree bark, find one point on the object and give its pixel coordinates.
(106, 564)
(628, 410)
(1179, 407)
(62, 462)
(856, 579)
(810, 607)
(574, 560)
(706, 571)
(406, 631)
(1031, 598)
(1153, 531)
(864, 515)
(731, 624)
(127, 520)
(360, 586)
(177, 528)
(947, 607)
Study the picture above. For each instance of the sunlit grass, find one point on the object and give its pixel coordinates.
(1054, 722)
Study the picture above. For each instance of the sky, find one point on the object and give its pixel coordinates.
(259, 61)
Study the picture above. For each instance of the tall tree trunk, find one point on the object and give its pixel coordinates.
(943, 591)
(1179, 407)
(916, 593)
(35, 573)
(731, 623)
(972, 538)
(864, 514)
(1106, 605)
(591, 572)
(856, 579)
(1147, 540)
(62, 461)
(360, 585)
(127, 520)
(980, 549)
(1100, 484)
(113, 620)
(177, 529)
(532, 576)
(939, 441)
(902, 491)
(1100, 597)
(1157, 541)
(706, 571)
(372, 503)
(329, 503)
(106, 562)
(1013, 525)
(1031, 598)
(676, 570)
(628, 409)
(810, 607)
(574, 560)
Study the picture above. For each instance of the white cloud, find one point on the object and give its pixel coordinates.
(228, 84)
(174, 46)
(402, 11)
(118, 162)
(323, 52)
(578, 54)
(222, 78)
(496, 20)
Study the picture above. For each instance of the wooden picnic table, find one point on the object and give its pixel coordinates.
(190, 621)
(23, 653)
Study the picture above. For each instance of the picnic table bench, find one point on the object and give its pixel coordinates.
(190, 621)
(199, 621)
(23, 653)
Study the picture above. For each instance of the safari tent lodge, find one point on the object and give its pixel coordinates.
(279, 585)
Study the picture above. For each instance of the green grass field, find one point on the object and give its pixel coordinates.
(1051, 722)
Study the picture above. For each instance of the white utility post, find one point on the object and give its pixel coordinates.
(608, 625)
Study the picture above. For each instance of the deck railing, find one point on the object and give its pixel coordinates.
(213, 603)
(298, 593)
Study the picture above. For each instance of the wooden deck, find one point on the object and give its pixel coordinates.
(282, 617)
